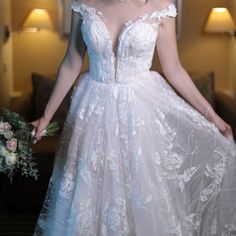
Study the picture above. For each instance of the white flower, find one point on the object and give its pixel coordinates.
(1, 127)
(6, 126)
(11, 158)
(8, 134)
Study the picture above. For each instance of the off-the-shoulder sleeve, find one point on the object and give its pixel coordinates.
(169, 11)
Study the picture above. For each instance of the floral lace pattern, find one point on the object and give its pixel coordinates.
(134, 158)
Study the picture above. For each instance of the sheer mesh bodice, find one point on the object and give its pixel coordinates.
(136, 44)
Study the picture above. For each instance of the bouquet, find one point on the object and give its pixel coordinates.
(16, 139)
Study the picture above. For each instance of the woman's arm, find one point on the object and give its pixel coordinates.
(166, 47)
(69, 68)
(67, 73)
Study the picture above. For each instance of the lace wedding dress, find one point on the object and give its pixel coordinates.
(134, 158)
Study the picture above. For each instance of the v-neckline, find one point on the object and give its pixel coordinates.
(125, 25)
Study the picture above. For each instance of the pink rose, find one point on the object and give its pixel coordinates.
(11, 144)
(6, 126)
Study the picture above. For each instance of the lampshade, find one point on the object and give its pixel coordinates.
(220, 21)
(38, 19)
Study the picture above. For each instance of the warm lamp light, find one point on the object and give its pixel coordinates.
(36, 20)
(220, 21)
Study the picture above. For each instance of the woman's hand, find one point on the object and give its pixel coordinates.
(223, 127)
(39, 125)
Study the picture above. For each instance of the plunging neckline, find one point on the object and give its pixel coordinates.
(124, 26)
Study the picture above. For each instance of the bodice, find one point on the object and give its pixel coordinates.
(136, 44)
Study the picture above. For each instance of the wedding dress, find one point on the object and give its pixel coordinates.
(135, 159)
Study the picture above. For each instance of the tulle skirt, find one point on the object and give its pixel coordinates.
(135, 159)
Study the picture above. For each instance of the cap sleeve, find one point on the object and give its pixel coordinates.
(75, 6)
(169, 11)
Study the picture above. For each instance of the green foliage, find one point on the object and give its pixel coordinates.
(16, 140)
(20, 159)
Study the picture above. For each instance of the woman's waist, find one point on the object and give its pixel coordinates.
(121, 78)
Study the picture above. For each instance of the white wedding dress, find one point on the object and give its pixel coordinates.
(134, 158)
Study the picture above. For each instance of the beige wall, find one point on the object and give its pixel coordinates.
(232, 68)
(6, 68)
(39, 52)
(199, 52)
(35, 52)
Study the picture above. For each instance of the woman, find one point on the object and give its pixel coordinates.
(134, 158)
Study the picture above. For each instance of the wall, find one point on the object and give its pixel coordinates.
(199, 52)
(35, 52)
(232, 65)
(6, 68)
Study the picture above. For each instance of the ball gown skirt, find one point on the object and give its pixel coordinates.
(137, 159)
